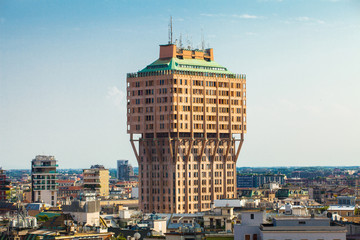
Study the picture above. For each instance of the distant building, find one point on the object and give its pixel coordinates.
(124, 170)
(245, 181)
(43, 179)
(258, 180)
(69, 191)
(298, 228)
(342, 210)
(346, 200)
(292, 192)
(96, 179)
(85, 211)
(4, 186)
(296, 210)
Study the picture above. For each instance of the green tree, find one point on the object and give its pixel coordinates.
(118, 237)
(43, 218)
(357, 211)
(323, 209)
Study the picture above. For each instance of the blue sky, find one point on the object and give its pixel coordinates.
(63, 68)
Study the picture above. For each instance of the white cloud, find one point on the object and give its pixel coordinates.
(245, 16)
(302, 19)
(242, 16)
(117, 96)
(309, 20)
(209, 15)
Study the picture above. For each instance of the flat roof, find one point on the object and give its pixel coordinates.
(341, 208)
(303, 229)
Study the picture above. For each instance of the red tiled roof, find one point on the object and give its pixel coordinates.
(72, 188)
(65, 181)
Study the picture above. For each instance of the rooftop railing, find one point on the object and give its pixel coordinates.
(194, 73)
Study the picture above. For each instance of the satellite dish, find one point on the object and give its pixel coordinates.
(137, 236)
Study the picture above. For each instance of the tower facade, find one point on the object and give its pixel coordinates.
(186, 116)
(43, 179)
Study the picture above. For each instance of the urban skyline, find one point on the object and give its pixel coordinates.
(63, 75)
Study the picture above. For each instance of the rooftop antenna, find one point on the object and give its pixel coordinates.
(170, 31)
(202, 40)
(180, 41)
(188, 42)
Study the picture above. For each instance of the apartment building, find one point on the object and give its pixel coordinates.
(43, 179)
(96, 179)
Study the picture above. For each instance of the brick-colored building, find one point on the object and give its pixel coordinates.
(188, 115)
(4, 186)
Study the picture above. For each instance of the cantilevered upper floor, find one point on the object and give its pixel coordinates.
(186, 91)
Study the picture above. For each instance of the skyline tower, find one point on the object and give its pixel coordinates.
(186, 116)
(124, 170)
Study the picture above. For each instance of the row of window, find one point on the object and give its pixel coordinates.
(186, 109)
(195, 83)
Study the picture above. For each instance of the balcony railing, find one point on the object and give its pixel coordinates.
(44, 173)
(55, 165)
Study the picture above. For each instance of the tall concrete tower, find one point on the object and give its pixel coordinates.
(186, 116)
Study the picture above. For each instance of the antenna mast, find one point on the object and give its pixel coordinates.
(202, 40)
(180, 42)
(170, 31)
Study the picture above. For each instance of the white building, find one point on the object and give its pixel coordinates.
(253, 227)
(295, 210)
(43, 180)
(249, 229)
(299, 228)
(85, 211)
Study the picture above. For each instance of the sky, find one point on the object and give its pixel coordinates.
(63, 67)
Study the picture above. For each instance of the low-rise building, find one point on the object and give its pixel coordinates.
(85, 211)
(299, 228)
(254, 227)
(342, 210)
(219, 219)
(249, 229)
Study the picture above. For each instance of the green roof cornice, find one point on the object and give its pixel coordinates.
(195, 65)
